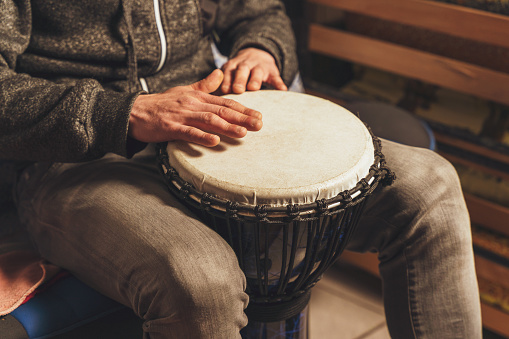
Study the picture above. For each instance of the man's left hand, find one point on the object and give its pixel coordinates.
(251, 68)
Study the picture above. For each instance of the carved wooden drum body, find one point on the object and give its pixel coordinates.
(286, 198)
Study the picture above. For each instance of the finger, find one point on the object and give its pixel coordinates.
(211, 122)
(210, 83)
(228, 70)
(195, 135)
(241, 76)
(221, 101)
(256, 79)
(234, 117)
(276, 82)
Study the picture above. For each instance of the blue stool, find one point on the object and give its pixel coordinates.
(70, 309)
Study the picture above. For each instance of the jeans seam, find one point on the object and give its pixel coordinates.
(412, 311)
(411, 302)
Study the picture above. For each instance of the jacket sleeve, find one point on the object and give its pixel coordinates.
(44, 121)
(258, 23)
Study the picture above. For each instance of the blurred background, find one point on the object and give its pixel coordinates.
(444, 64)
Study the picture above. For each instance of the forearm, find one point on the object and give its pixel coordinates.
(44, 121)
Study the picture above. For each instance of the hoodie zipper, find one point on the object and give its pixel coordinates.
(162, 40)
(144, 85)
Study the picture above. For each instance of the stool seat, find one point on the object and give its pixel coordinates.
(71, 309)
(394, 123)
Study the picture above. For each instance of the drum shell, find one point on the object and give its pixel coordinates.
(282, 256)
(282, 249)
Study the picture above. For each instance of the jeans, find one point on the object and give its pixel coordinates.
(113, 224)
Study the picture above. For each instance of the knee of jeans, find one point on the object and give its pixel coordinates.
(427, 188)
(428, 180)
(213, 286)
(202, 302)
(444, 190)
(445, 171)
(200, 286)
(439, 201)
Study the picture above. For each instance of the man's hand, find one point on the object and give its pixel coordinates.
(251, 68)
(190, 113)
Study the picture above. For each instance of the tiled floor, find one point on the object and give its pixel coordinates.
(347, 304)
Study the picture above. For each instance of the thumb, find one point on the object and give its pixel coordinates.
(210, 83)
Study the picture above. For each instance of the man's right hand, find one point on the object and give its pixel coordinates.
(191, 113)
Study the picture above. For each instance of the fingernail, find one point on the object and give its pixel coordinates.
(257, 124)
(214, 139)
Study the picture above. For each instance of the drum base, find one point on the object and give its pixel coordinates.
(295, 327)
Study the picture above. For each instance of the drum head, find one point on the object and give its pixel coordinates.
(308, 149)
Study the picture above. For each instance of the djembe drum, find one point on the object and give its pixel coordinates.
(286, 198)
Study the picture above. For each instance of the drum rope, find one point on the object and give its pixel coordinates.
(293, 211)
(261, 212)
(232, 209)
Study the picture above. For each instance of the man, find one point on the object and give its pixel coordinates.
(84, 86)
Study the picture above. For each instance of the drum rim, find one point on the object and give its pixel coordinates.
(378, 173)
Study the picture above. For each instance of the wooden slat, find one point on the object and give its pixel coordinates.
(495, 320)
(491, 271)
(488, 214)
(366, 261)
(468, 146)
(446, 18)
(412, 63)
(468, 163)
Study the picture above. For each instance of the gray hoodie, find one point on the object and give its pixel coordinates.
(71, 70)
